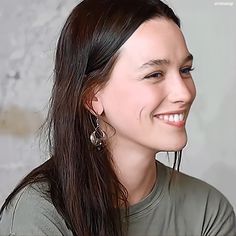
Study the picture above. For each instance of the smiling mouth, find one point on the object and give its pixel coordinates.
(177, 119)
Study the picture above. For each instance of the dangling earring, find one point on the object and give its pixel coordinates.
(98, 135)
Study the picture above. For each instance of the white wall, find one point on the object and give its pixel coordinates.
(28, 33)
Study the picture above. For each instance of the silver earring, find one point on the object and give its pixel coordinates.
(98, 135)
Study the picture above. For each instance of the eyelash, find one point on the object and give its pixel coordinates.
(153, 75)
(189, 69)
(185, 71)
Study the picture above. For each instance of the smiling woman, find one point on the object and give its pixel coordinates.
(144, 92)
(122, 93)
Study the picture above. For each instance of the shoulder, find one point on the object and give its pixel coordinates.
(31, 212)
(186, 186)
(202, 202)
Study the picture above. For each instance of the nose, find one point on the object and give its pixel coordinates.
(182, 90)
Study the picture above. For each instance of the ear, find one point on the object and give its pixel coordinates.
(94, 103)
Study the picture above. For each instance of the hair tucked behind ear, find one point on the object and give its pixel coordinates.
(82, 183)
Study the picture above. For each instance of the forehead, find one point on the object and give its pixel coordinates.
(156, 38)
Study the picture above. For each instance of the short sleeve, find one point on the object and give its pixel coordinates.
(219, 216)
(30, 214)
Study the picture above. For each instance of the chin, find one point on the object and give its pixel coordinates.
(174, 145)
(177, 146)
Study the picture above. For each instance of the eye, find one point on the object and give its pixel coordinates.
(186, 71)
(157, 75)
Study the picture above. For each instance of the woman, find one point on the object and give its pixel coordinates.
(122, 93)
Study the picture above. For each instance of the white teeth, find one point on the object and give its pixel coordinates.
(172, 118)
(166, 117)
(176, 118)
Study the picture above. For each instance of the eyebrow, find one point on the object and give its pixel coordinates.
(160, 62)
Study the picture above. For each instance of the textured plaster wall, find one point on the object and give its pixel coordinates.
(28, 34)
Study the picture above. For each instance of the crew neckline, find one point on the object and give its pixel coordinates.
(143, 207)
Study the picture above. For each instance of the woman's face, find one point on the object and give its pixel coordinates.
(150, 91)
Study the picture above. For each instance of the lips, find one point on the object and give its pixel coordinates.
(176, 118)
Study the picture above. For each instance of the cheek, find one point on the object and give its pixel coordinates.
(122, 101)
(130, 102)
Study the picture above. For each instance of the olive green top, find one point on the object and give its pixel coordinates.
(190, 207)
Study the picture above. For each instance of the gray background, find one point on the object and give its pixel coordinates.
(28, 33)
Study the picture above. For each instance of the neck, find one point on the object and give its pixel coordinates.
(136, 170)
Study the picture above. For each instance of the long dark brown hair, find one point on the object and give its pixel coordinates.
(82, 183)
